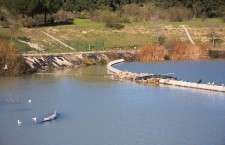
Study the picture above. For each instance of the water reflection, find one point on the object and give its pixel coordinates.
(92, 74)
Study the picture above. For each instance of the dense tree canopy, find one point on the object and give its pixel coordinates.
(48, 6)
(199, 8)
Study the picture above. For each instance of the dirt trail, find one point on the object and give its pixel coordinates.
(58, 41)
(188, 34)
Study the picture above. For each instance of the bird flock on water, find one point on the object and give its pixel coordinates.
(34, 119)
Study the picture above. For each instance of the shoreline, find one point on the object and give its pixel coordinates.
(43, 63)
(148, 78)
(40, 63)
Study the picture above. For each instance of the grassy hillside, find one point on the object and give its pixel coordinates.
(85, 34)
(8, 36)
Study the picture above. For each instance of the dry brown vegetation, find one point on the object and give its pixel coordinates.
(11, 62)
(151, 53)
(185, 51)
(180, 51)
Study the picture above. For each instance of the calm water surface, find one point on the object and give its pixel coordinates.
(97, 111)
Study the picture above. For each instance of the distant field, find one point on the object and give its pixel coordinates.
(86, 35)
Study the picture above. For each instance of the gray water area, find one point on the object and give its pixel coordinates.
(95, 110)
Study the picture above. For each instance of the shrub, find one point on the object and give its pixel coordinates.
(8, 20)
(167, 57)
(151, 53)
(63, 16)
(148, 12)
(178, 14)
(223, 19)
(105, 16)
(170, 43)
(218, 41)
(111, 19)
(185, 51)
(10, 59)
(214, 54)
(115, 26)
(88, 61)
(4, 24)
(29, 22)
(131, 9)
(160, 40)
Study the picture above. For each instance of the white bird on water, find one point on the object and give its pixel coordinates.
(212, 83)
(29, 101)
(19, 122)
(222, 84)
(208, 83)
(34, 119)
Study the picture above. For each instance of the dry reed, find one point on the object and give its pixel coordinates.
(151, 53)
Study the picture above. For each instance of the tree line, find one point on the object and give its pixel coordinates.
(199, 8)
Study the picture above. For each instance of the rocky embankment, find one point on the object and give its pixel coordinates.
(44, 63)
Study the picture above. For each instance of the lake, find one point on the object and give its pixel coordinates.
(94, 110)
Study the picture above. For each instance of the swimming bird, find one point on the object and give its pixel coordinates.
(19, 122)
(212, 83)
(222, 84)
(208, 83)
(29, 101)
(34, 119)
(199, 81)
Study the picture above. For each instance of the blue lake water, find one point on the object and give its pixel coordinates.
(95, 110)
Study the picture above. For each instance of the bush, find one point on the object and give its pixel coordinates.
(218, 41)
(111, 19)
(185, 51)
(10, 59)
(63, 16)
(167, 57)
(115, 26)
(223, 19)
(151, 53)
(170, 43)
(29, 22)
(4, 24)
(88, 61)
(178, 14)
(160, 40)
(131, 9)
(214, 54)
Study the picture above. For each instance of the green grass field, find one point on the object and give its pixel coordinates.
(86, 35)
